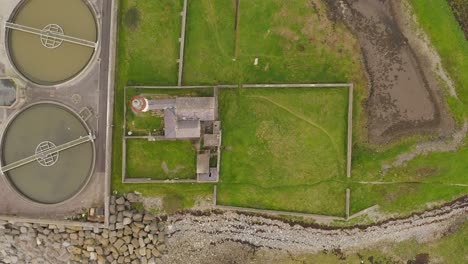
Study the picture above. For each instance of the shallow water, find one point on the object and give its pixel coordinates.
(47, 122)
(50, 66)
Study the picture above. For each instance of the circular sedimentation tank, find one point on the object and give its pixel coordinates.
(36, 50)
(50, 178)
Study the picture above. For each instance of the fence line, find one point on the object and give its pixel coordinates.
(182, 43)
(289, 85)
(348, 202)
(318, 217)
(349, 147)
(149, 180)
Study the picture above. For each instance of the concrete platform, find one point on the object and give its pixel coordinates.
(88, 91)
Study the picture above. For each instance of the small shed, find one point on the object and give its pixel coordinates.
(211, 140)
(203, 163)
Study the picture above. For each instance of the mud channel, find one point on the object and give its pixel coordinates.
(404, 96)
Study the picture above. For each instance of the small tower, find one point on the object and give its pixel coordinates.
(139, 104)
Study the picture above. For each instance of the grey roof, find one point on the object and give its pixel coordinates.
(170, 122)
(195, 102)
(188, 129)
(161, 104)
(182, 115)
(211, 140)
(203, 163)
(202, 108)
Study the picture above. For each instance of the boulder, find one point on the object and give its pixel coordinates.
(127, 231)
(74, 250)
(127, 214)
(155, 253)
(127, 221)
(141, 242)
(135, 243)
(112, 219)
(133, 198)
(99, 250)
(101, 259)
(137, 217)
(112, 209)
(123, 249)
(119, 243)
(120, 200)
(120, 208)
(120, 217)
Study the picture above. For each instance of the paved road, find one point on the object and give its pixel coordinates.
(103, 86)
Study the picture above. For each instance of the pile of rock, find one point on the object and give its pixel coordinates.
(132, 237)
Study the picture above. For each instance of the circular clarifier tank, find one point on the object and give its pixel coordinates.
(47, 153)
(51, 41)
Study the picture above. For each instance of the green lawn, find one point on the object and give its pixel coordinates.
(209, 46)
(284, 149)
(149, 40)
(160, 160)
(142, 124)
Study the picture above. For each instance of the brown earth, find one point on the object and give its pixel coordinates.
(404, 96)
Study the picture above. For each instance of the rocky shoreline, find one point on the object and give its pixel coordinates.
(221, 237)
(132, 237)
(211, 236)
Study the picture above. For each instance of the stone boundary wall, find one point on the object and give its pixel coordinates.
(149, 180)
(248, 86)
(348, 202)
(317, 217)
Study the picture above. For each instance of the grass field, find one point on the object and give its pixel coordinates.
(284, 149)
(294, 42)
(449, 41)
(148, 40)
(160, 160)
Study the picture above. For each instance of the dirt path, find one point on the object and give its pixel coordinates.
(223, 237)
(404, 96)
